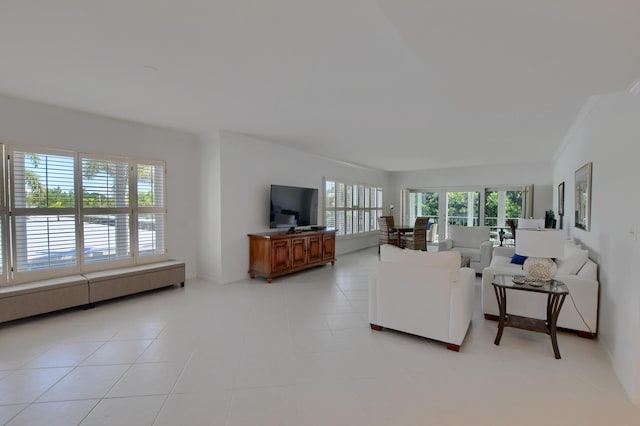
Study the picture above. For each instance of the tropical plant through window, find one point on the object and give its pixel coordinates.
(463, 208)
(40, 195)
(423, 204)
(38, 177)
(500, 206)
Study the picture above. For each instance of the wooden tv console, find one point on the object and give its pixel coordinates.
(273, 254)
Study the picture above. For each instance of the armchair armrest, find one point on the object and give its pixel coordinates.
(445, 245)
(584, 293)
(462, 296)
(486, 251)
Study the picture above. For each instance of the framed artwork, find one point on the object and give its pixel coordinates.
(561, 199)
(560, 204)
(583, 197)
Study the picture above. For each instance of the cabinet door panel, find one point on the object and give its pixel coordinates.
(280, 256)
(314, 247)
(328, 246)
(299, 252)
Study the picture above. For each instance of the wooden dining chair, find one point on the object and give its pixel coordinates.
(386, 235)
(417, 240)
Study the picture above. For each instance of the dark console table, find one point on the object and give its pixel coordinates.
(273, 254)
(556, 292)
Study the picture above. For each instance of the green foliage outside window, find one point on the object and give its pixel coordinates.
(458, 208)
(513, 201)
(430, 205)
(39, 196)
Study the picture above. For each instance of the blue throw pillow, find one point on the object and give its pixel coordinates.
(518, 259)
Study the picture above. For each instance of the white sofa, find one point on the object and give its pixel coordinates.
(422, 293)
(575, 269)
(472, 241)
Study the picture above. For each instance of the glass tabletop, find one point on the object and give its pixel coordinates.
(521, 282)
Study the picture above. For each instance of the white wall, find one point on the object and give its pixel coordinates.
(210, 238)
(538, 174)
(609, 136)
(28, 123)
(248, 167)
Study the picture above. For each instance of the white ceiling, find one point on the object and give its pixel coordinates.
(390, 84)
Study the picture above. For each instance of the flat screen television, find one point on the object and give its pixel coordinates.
(292, 206)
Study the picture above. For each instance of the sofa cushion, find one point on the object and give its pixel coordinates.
(445, 259)
(572, 261)
(468, 236)
(501, 261)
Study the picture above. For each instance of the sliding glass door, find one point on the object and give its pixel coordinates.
(502, 204)
(422, 204)
(463, 208)
(491, 207)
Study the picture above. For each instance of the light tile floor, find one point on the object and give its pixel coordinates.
(295, 352)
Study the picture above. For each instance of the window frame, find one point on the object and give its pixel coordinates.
(4, 223)
(89, 211)
(12, 275)
(137, 210)
(527, 208)
(9, 215)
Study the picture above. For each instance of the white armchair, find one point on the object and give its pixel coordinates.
(472, 241)
(422, 293)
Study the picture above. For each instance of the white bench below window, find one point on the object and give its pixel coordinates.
(39, 297)
(119, 282)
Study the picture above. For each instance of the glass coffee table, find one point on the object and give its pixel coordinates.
(556, 292)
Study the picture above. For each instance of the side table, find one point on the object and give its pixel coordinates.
(556, 292)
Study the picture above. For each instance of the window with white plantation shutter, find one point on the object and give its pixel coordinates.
(3, 267)
(105, 211)
(4, 214)
(352, 209)
(65, 213)
(151, 209)
(43, 216)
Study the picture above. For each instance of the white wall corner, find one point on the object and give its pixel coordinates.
(582, 115)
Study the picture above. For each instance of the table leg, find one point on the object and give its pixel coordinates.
(554, 304)
(501, 295)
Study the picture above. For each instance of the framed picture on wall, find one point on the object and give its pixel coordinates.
(560, 205)
(583, 197)
(561, 199)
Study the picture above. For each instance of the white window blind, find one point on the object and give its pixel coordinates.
(105, 209)
(44, 213)
(350, 208)
(151, 209)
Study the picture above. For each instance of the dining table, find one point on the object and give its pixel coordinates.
(400, 231)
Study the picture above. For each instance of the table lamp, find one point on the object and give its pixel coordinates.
(540, 246)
